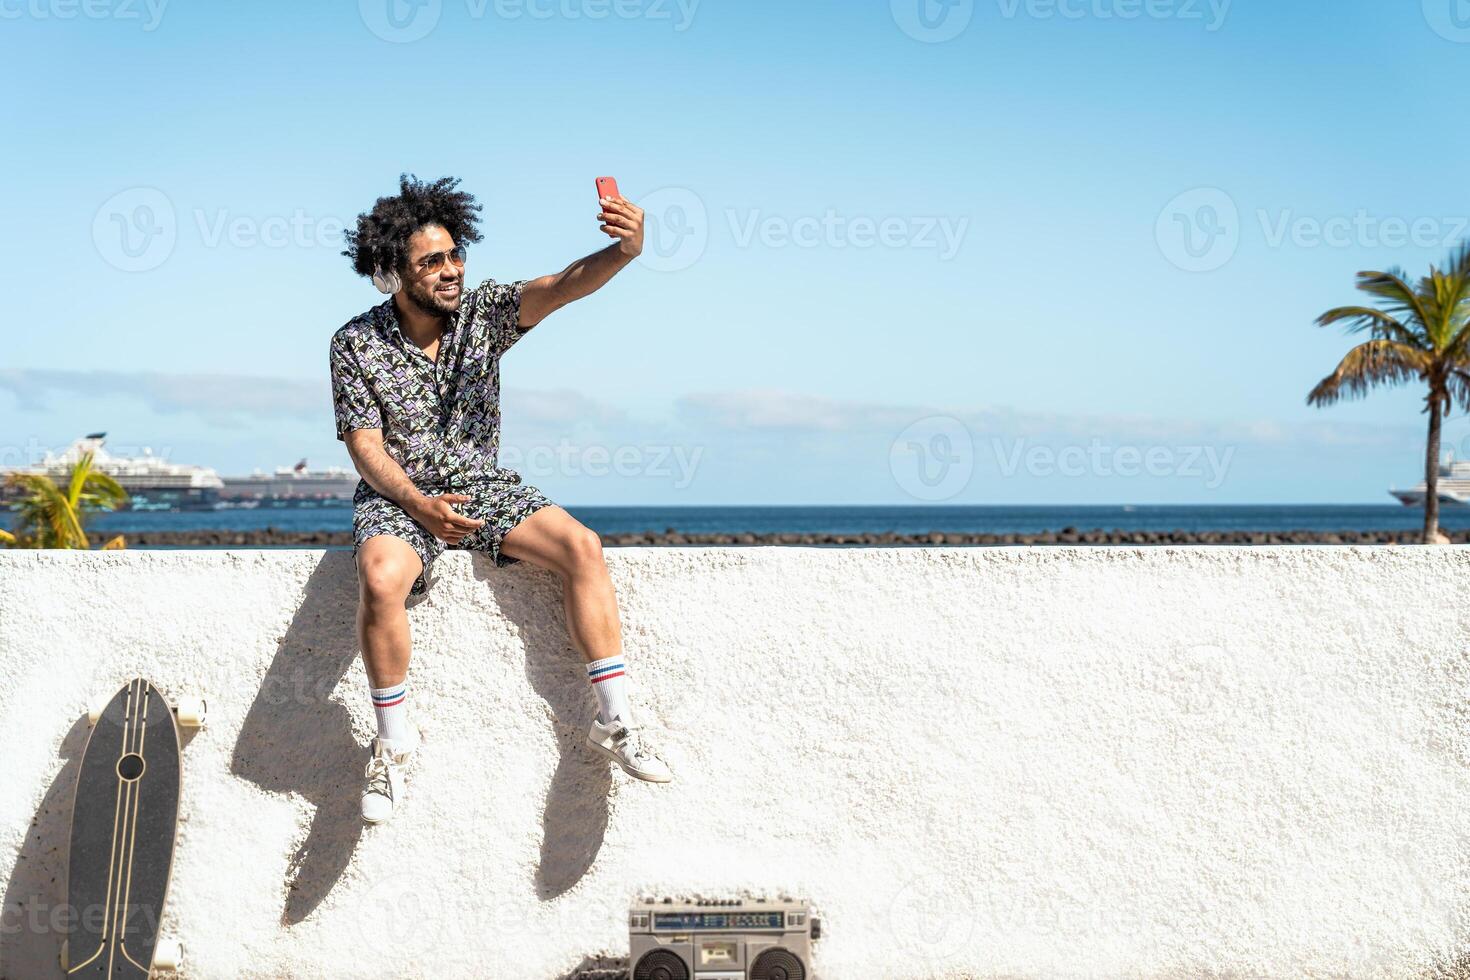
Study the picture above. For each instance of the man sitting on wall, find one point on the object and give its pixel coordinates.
(416, 391)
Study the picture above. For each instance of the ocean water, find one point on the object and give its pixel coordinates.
(858, 519)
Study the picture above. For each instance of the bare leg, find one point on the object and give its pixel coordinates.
(553, 539)
(386, 569)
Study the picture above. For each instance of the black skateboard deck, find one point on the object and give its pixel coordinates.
(123, 825)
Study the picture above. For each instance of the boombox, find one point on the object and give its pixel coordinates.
(734, 939)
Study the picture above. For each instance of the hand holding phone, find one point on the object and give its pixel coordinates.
(621, 219)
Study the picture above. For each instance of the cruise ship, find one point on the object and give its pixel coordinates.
(299, 484)
(151, 482)
(1454, 485)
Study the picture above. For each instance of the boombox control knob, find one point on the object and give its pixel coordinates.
(816, 928)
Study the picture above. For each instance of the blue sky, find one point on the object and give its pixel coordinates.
(1009, 251)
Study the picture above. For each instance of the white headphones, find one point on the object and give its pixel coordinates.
(387, 282)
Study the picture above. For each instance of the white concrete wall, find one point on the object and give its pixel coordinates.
(977, 763)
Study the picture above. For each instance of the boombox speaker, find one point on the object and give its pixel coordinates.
(734, 939)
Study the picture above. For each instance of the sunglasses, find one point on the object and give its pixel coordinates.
(434, 261)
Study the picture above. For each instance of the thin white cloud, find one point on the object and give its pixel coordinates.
(748, 415)
(217, 397)
(768, 411)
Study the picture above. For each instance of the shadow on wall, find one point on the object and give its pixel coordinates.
(32, 921)
(34, 918)
(296, 739)
(599, 968)
(574, 823)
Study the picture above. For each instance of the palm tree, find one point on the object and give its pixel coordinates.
(51, 518)
(1415, 332)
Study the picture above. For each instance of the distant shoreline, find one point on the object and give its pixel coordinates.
(275, 538)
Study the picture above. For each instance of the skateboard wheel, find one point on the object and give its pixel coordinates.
(168, 955)
(65, 960)
(95, 709)
(190, 712)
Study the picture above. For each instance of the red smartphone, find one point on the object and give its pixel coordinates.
(607, 187)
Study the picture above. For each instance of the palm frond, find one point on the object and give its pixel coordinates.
(1360, 318)
(103, 492)
(1372, 364)
(1401, 298)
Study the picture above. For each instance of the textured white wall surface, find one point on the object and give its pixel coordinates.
(975, 763)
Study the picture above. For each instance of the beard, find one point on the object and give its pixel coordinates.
(427, 301)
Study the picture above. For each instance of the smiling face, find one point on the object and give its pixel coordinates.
(433, 281)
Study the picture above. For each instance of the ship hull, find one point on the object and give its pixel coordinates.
(1415, 498)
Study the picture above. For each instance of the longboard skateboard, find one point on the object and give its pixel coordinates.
(123, 825)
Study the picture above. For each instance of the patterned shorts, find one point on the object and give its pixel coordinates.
(501, 504)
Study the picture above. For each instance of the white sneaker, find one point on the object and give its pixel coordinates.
(383, 785)
(625, 745)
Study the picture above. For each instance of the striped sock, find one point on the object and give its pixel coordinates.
(609, 682)
(390, 704)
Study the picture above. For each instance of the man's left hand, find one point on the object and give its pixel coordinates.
(623, 220)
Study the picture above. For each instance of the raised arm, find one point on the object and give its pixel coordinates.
(621, 220)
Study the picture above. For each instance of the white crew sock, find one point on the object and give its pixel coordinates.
(610, 683)
(390, 704)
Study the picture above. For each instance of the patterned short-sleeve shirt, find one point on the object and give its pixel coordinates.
(440, 418)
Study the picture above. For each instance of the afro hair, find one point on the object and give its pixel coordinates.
(380, 240)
